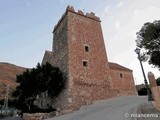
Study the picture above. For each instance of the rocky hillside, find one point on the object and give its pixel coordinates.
(8, 74)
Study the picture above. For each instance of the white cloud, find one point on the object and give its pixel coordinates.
(107, 9)
(117, 25)
(136, 12)
(120, 4)
(132, 33)
(121, 34)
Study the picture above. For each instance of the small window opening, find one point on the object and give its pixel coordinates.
(121, 76)
(85, 64)
(86, 48)
(51, 58)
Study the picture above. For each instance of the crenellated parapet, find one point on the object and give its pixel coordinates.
(89, 15)
(70, 8)
(79, 12)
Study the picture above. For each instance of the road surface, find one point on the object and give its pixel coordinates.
(13, 118)
(119, 108)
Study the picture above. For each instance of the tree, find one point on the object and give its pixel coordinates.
(142, 91)
(36, 86)
(158, 81)
(149, 39)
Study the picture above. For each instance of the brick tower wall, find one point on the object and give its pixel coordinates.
(60, 57)
(122, 82)
(60, 45)
(79, 51)
(91, 82)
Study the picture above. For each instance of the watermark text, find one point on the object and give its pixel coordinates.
(136, 115)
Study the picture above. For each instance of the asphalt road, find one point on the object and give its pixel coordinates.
(119, 108)
(13, 118)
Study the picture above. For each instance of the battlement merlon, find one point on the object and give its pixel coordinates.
(79, 12)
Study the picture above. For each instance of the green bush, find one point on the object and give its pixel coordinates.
(42, 79)
(142, 91)
(1, 115)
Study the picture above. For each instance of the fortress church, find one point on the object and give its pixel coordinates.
(79, 51)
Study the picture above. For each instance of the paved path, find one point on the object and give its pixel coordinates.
(148, 109)
(119, 108)
(13, 118)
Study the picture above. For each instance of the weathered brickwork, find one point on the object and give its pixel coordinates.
(59, 56)
(122, 80)
(79, 51)
(47, 57)
(155, 90)
(60, 45)
(86, 80)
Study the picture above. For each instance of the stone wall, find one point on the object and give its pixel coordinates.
(79, 51)
(123, 82)
(60, 45)
(155, 90)
(60, 57)
(39, 116)
(90, 82)
(47, 57)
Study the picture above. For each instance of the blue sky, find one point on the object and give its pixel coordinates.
(26, 28)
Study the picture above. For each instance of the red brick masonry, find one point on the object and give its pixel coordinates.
(79, 51)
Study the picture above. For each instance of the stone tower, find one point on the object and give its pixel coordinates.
(79, 51)
(88, 64)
